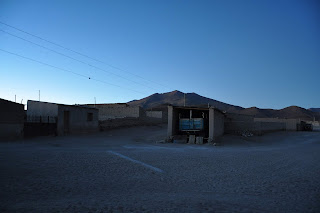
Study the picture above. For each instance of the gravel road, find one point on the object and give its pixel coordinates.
(124, 170)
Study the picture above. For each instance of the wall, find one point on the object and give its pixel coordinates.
(78, 122)
(260, 125)
(128, 122)
(112, 111)
(263, 127)
(42, 109)
(173, 121)
(236, 127)
(218, 124)
(239, 117)
(11, 120)
(154, 114)
(290, 124)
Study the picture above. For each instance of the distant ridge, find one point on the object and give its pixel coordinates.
(315, 109)
(176, 98)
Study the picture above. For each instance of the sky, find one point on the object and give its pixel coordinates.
(246, 53)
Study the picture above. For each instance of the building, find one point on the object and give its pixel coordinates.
(11, 120)
(195, 123)
(119, 110)
(68, 118)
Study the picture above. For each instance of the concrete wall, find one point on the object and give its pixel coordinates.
(263, 127)
(257, 127)
(128, 122)
(11, 120)
(239, 117)
(173, 121)
(216, 124)
(112, 111)
(290, 124)
(78, 120)
(41, 112)
(170, 122)
(36, 108)
(154, 114)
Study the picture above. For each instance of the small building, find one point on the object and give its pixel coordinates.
(68, 118)
(194, 122)
(118, 110)
(11, 120)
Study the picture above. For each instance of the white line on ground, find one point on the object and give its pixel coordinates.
(136, 161)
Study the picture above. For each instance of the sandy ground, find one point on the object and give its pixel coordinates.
(124, 170)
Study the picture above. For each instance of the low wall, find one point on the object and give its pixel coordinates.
(290, 124)
(113, 111)
(257, 127)
(127, 122)
(154, 114)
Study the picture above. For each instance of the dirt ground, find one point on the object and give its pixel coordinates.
(125, 170)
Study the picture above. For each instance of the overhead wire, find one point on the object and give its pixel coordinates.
(66, 70)
(72, 58)
(84, 55)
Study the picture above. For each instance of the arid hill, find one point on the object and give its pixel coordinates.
(176, 98)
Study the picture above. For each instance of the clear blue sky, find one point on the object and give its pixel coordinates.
(246, 53)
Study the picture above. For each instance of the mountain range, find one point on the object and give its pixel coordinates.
(177, 98)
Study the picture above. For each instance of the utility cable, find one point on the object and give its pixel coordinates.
(84, 55)
(59, 53)
(62, 69)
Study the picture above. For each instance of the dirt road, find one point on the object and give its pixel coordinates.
(126, 171)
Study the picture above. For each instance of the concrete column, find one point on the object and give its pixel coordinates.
(170, 121)
(211, 124)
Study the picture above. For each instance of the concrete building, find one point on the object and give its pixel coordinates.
(119, 110)
(68, 118)
(11, 120)
(194, 122)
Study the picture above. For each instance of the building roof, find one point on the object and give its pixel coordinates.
(76, 105)
(11, 102)
(197, 108)
(111, 104)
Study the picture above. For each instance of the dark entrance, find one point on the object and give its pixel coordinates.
(66, 122)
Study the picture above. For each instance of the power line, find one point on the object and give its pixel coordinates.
(59, 53)
(62, 69)
(84, 55)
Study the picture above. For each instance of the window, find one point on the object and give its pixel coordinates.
(90, 117)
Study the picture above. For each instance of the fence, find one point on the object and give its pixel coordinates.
(40, 126)
(41, 119)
